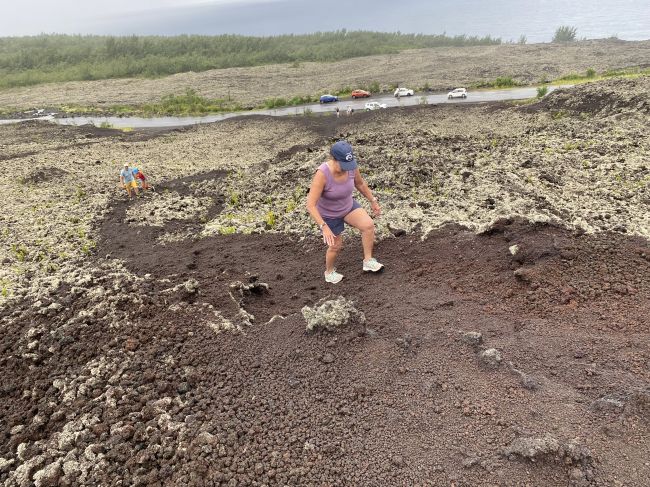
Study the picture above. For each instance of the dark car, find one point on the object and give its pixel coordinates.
(360, 94)
(328, 98)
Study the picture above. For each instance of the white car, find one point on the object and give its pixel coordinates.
(374, 105)
(403, 92)
(457, 93)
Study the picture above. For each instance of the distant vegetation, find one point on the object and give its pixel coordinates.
(26, 61)
(500, 82)
(565, 33)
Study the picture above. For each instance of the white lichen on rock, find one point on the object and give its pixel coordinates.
(332, 314)
(165, 207)
(534, 448)
(491, 357)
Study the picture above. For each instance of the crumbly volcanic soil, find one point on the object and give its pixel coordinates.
(441, 69)
(500, 348)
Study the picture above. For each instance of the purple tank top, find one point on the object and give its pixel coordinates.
(336, 200)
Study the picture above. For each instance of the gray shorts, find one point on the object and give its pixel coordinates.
(337, 225)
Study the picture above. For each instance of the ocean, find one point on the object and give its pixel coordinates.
(506, 19)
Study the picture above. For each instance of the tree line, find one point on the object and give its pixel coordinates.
(26, 61)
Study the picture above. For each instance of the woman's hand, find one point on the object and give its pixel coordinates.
(328, 236)
(376, 209)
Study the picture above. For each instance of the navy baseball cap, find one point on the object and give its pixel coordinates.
(342, 153)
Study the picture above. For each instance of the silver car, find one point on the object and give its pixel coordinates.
(374, 105)
(457, 93)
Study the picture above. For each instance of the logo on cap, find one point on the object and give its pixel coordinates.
(349, 156)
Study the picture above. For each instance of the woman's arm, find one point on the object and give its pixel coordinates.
(315, 192)
(363, 188)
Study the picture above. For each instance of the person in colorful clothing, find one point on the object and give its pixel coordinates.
(127, 178)
(143, 179)
(331, 205)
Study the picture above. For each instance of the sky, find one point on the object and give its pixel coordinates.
(506, 19)
(30, 17)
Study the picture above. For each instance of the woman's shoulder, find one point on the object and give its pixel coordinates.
(324, 168)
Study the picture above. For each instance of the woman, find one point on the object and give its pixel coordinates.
(331, 205)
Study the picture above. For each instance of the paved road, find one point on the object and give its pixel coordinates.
(357, 105)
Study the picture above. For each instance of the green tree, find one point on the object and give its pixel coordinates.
(565, 33)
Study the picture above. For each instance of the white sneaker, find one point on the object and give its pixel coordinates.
(333, 277)
(371, 265)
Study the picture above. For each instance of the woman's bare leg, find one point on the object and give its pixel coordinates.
(332, 253)
(360, 220)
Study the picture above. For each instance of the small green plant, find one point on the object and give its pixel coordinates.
(570, 146)
(270, 219)
(234, 198)
(295, 64)
(227, 230)
(591, 73)
(423, 100)
(20, 251)
(565, 33)
(558, 115)
(87, 247)
(80, 194)
(106, 125)
(291, 205)
(308, 112)
(5, 290)
(542, 91)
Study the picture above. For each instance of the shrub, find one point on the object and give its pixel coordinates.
(522, 39)
(591, 73)
(542, 91)
(565, 33)
(374, 87)
(500, 82)
(275, 102)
